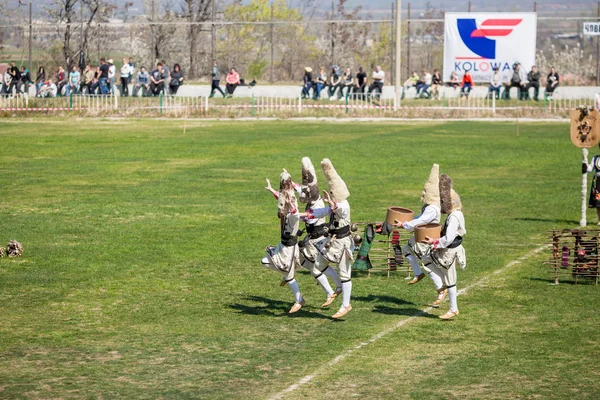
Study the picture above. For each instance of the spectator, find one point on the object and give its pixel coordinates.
(307, 83)
(166, 75)
(176, 79)
(25, 80)
(378, 80)
(132, 66)
(61, 80)
(103, 77)
(467, 84)
(533, 77)
(49, 89)
(142, 81)
(552, 81)
(436, 82)
(112, 74)
(410, 82)
(361, 83)
(348, 83)
(335, 81)
(5, 79)
(87, 82)
(74, 81)
(424, 85)
(320, 84)
(40, 79)
(454, 81)
(125, 72)
(233, 80)
(216, 80)
(157, 80)
(15, 78)
(495, 83)
(516, 79)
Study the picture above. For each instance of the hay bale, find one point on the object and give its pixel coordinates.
(14, 249)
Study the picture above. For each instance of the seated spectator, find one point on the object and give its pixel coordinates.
(552, 81)
(347, 83)
(320, 84)
(423, 85)
(409, 83)
(40, 79)
(361, 84)
(49, 89)
(88, 82)
(378, 80)
(515, 79)
(15, 78)
(496, 83)
(157, 80)
(307, 83)
(233, 81)
(467, 84)
(436, 82)
(125, 72)
(61, 80)
(72, 85)
(176, 79)
(533, 77)
(25, 80)
(142, 82)
(335, 82)
(454, 81)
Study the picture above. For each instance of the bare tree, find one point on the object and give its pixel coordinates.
(196, 11)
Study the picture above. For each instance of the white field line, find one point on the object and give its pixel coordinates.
(398, 325)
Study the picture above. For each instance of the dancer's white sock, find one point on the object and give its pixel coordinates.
(452, 294)
(295, 290)
(414, 263)
(332, 273)
(346, 292)
(437, 281)
(322, 279)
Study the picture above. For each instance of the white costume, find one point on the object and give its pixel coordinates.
(448, 251)
(284, 257)
(339, 246)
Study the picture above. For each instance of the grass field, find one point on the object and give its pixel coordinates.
(141, 275)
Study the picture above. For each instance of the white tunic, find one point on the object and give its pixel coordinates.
(444, 256)
(284, 257)
(311, 246)
(431, 214)
(334, 251)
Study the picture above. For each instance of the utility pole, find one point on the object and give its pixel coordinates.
(408, 43)
(598, 52)
(398, 48)
(469, 6)
(153, 52)
(332, 36)
(30, 35)
(272, 72)
(81, 49)
(213, 31)
(392, 44)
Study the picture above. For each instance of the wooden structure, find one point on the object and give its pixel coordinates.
(575, 254)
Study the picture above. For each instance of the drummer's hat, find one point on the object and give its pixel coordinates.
(450, 200)
(337, 187)
(310, 189)
(431, 190)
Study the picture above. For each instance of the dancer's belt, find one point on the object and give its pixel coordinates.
(340, 233)
(315, 231)
(288, 240)
(456, 242)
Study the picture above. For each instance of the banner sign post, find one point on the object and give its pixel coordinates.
(478, 42)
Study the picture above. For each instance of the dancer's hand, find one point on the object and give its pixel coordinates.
(268, 187)
(427, 240)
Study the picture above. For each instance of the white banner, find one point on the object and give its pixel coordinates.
(478, 42)
(591, 28)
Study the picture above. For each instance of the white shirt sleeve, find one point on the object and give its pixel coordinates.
(451, 230)
(426, 217)
(321, 212)
(342, 210)
(590, 166)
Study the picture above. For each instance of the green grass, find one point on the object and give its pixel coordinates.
(141, 275)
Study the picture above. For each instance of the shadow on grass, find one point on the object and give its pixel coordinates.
(273, 308)
(410, 312)
(571, 281)
(382, 299)
(557, 221)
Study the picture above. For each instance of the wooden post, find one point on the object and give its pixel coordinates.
(213, 31)
(408, 42)
(398, 47)
(30, 37)
(555, 255)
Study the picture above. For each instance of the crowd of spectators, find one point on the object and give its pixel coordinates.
(341, 85)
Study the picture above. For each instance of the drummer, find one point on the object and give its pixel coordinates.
(430, 213)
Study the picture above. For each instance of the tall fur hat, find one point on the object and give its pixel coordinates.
(431, 190)
(337, 187)
(285, 180)
(449, 199)
(286, 201)
(310, 189)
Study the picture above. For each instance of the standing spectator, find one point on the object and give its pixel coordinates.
(467, 85)
(166, 75)
(495, 83)
(125, 75)
(112, 73)
(233, 80)
(335, 81)
(103, 77)
(533, 77)
(132, 66)
(552, 81)
(516, 79)
(61, 80)
(320, 84)
(307, 83)
(378, 80)
(157, 80)
(424, 84)
(40, 79)
(176, 79)
(15, 78)
(436, 82)
(74, 81)
(87, 81)
(49, 89)
(142, 81)
(412, 81)
(361, 83)
(216, 79)
(25, 80)
(454, 81)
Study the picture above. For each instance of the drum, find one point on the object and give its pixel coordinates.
(400, 214)
(431, 230)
